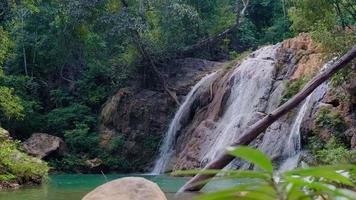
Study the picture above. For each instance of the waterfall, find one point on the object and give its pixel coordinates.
(167, 147)
(252, 83)
(293, 145)
(252, 89)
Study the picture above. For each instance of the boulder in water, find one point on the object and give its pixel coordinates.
(129, 188)
(43, 144)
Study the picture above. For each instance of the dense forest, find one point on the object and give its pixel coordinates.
(61, 59)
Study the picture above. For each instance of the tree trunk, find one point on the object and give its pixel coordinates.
(153, 66)
(23, 44)
(196, 183)
(152, 63)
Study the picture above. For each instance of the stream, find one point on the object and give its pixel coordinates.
(75, 186)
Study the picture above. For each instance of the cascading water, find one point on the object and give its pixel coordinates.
(241, 97)
(293, 146)
(167, 147)
(252, 83)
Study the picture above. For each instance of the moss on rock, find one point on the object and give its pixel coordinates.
(17, 167)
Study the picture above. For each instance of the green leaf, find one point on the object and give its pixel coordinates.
(295, 193)
(251, 191)
(321, 188)
(226, 174)
(254, 156)
(321, 172)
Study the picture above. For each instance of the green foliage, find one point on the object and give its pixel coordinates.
(334, 150)
(81, 139)
(69, 163)
(328, 21)
(10, 105)
(334, 153)
(60, 60)
(308, 183)
(6, 43)
(254, 156)
(292, 87)
(332, 120)
(62, 119)
(17, 166)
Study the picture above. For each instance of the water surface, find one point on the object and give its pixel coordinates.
(75, 186)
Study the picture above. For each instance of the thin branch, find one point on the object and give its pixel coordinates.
(207, 41)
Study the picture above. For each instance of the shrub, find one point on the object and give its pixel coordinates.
(10, 104)
(62, 119)
(333, 152)
(292, 87)
(81, 139)
(332, 120)
(18, 166)
(69, 163)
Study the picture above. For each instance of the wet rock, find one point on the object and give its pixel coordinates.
(353, 142)
(4, 135)
(189, 71)
(93, 163)
(9, 185)
(351, 133)
(42, 144)
(129, 188)
(137, 119)
(140, 116)
(351, 87)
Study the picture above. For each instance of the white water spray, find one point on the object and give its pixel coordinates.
(167, 147)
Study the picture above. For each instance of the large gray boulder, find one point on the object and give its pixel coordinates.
(43, 144)
(129, 188)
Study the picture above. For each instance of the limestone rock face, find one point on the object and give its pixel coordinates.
(129, 188)
(140, 116)
(43, 144)
(241, 96)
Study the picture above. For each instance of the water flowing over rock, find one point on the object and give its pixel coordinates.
(181, 117)
(292, 148)
(137, 118)
(219, 107)
(241, 96)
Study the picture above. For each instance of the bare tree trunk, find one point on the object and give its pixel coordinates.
(196, 183)
(159, 75)
(147, 56)
(24, 59)
(23, 44)
(213, 39)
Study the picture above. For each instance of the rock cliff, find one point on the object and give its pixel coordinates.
(139, 117)
(215, 112)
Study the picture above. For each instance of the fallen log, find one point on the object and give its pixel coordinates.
(199, 180)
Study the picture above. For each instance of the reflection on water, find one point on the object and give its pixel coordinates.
(73, 187)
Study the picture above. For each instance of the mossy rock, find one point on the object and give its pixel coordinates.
(16, 166)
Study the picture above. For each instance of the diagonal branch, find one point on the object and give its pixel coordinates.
(215, 38)
(197, 182)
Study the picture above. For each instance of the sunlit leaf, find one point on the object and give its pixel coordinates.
(321, 187)
(227, 174)
(322, 172)
(240, 192)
